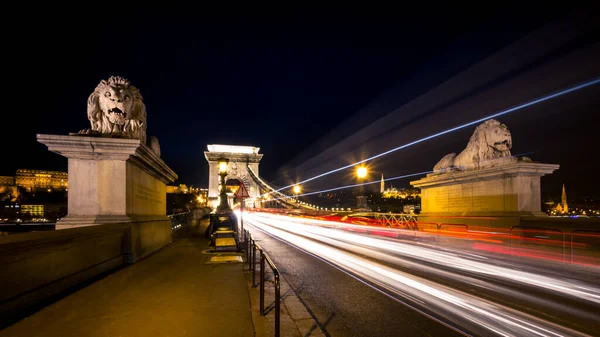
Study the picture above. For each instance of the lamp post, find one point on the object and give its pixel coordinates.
(223, 204)
(361, 199)
(297, 191)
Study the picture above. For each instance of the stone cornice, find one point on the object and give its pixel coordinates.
(235, 157)
(153, 165)
(512, 169)
(101, 148)
(85, 147)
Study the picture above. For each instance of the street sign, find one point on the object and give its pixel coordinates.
(242, 192)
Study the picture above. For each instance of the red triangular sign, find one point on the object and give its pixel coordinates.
(242, 192)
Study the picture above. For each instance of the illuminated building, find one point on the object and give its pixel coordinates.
(382, 185)
(564, 200)
(393, 193)
(34, 210)
(32, 180)
(563, 207)
(7, 181)
(177, 189)
(203, 196)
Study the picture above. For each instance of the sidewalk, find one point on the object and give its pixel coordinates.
(181, 290)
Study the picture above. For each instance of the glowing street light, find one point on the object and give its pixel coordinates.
(361, 172)
(223, 204)
(297, 191)
(223, 165)
(361, 199)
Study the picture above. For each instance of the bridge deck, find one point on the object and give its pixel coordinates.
(174, 292)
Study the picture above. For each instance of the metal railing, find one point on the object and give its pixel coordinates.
(251, 247)
(180, 220)
(397, 220)
(528, 232)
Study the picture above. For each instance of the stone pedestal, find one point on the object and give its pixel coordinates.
(113, 180)
(502, 193)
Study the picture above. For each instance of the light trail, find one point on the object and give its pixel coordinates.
(504, 112)
(441, 258)
(375, 181)
(477, 315)
(368, 183)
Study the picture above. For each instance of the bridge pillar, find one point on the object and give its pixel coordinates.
(115, 180)
(491, 197)
(239, 158)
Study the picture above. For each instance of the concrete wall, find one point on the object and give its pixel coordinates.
(37, 265)
(145, 237)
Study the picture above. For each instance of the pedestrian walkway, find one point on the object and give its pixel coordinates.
(182, 290)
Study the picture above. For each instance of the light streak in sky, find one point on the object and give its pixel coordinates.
(372, 182)
(479, 316)
(368, 183)
(497, 114)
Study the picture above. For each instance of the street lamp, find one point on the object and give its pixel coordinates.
(297, 191)
(361, 199)
(223, 204)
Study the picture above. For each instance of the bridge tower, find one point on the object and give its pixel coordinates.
(239, 158)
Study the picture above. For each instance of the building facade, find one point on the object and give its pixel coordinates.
(403, 193)
(32, 180)
(7, 181)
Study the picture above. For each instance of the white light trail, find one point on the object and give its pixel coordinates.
(497, 114)
(300, 227)
(486, 317)
(370, 182)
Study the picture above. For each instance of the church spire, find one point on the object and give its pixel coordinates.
(565, 207)
(382, 185)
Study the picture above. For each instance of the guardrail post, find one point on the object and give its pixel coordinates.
(571, 247)
(277, 304)
(262, 282)
(253, 263)
(510, 245)
(563, 246)
(247, 250)
(264, 257)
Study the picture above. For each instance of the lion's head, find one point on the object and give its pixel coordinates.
(492, 139)
(489, 145)
(116, 108)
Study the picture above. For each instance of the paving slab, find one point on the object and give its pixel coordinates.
(177, 291)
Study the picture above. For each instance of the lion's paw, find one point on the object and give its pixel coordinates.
(88, 132)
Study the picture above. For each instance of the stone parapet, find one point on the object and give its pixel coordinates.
(512, 189)
(116, 180)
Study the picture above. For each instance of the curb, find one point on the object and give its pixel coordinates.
(295, 320)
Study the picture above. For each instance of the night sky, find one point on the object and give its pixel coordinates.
(280, 82)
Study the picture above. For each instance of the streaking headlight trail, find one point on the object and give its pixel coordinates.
(477, 315)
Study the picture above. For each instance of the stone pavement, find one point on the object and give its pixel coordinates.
(181, 290)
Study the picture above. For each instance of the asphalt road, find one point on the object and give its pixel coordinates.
(343, 305)
(347, 306)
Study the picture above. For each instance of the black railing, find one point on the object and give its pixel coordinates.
(180, 220)
(251, 248)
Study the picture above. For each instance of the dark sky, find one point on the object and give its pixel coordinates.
(279, 81)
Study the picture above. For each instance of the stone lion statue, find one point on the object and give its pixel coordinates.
(116, 109)
(490, 142)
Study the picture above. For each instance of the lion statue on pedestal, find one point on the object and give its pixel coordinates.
(489, 145)
(116, 109)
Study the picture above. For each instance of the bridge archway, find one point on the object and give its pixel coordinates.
(240, 157)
